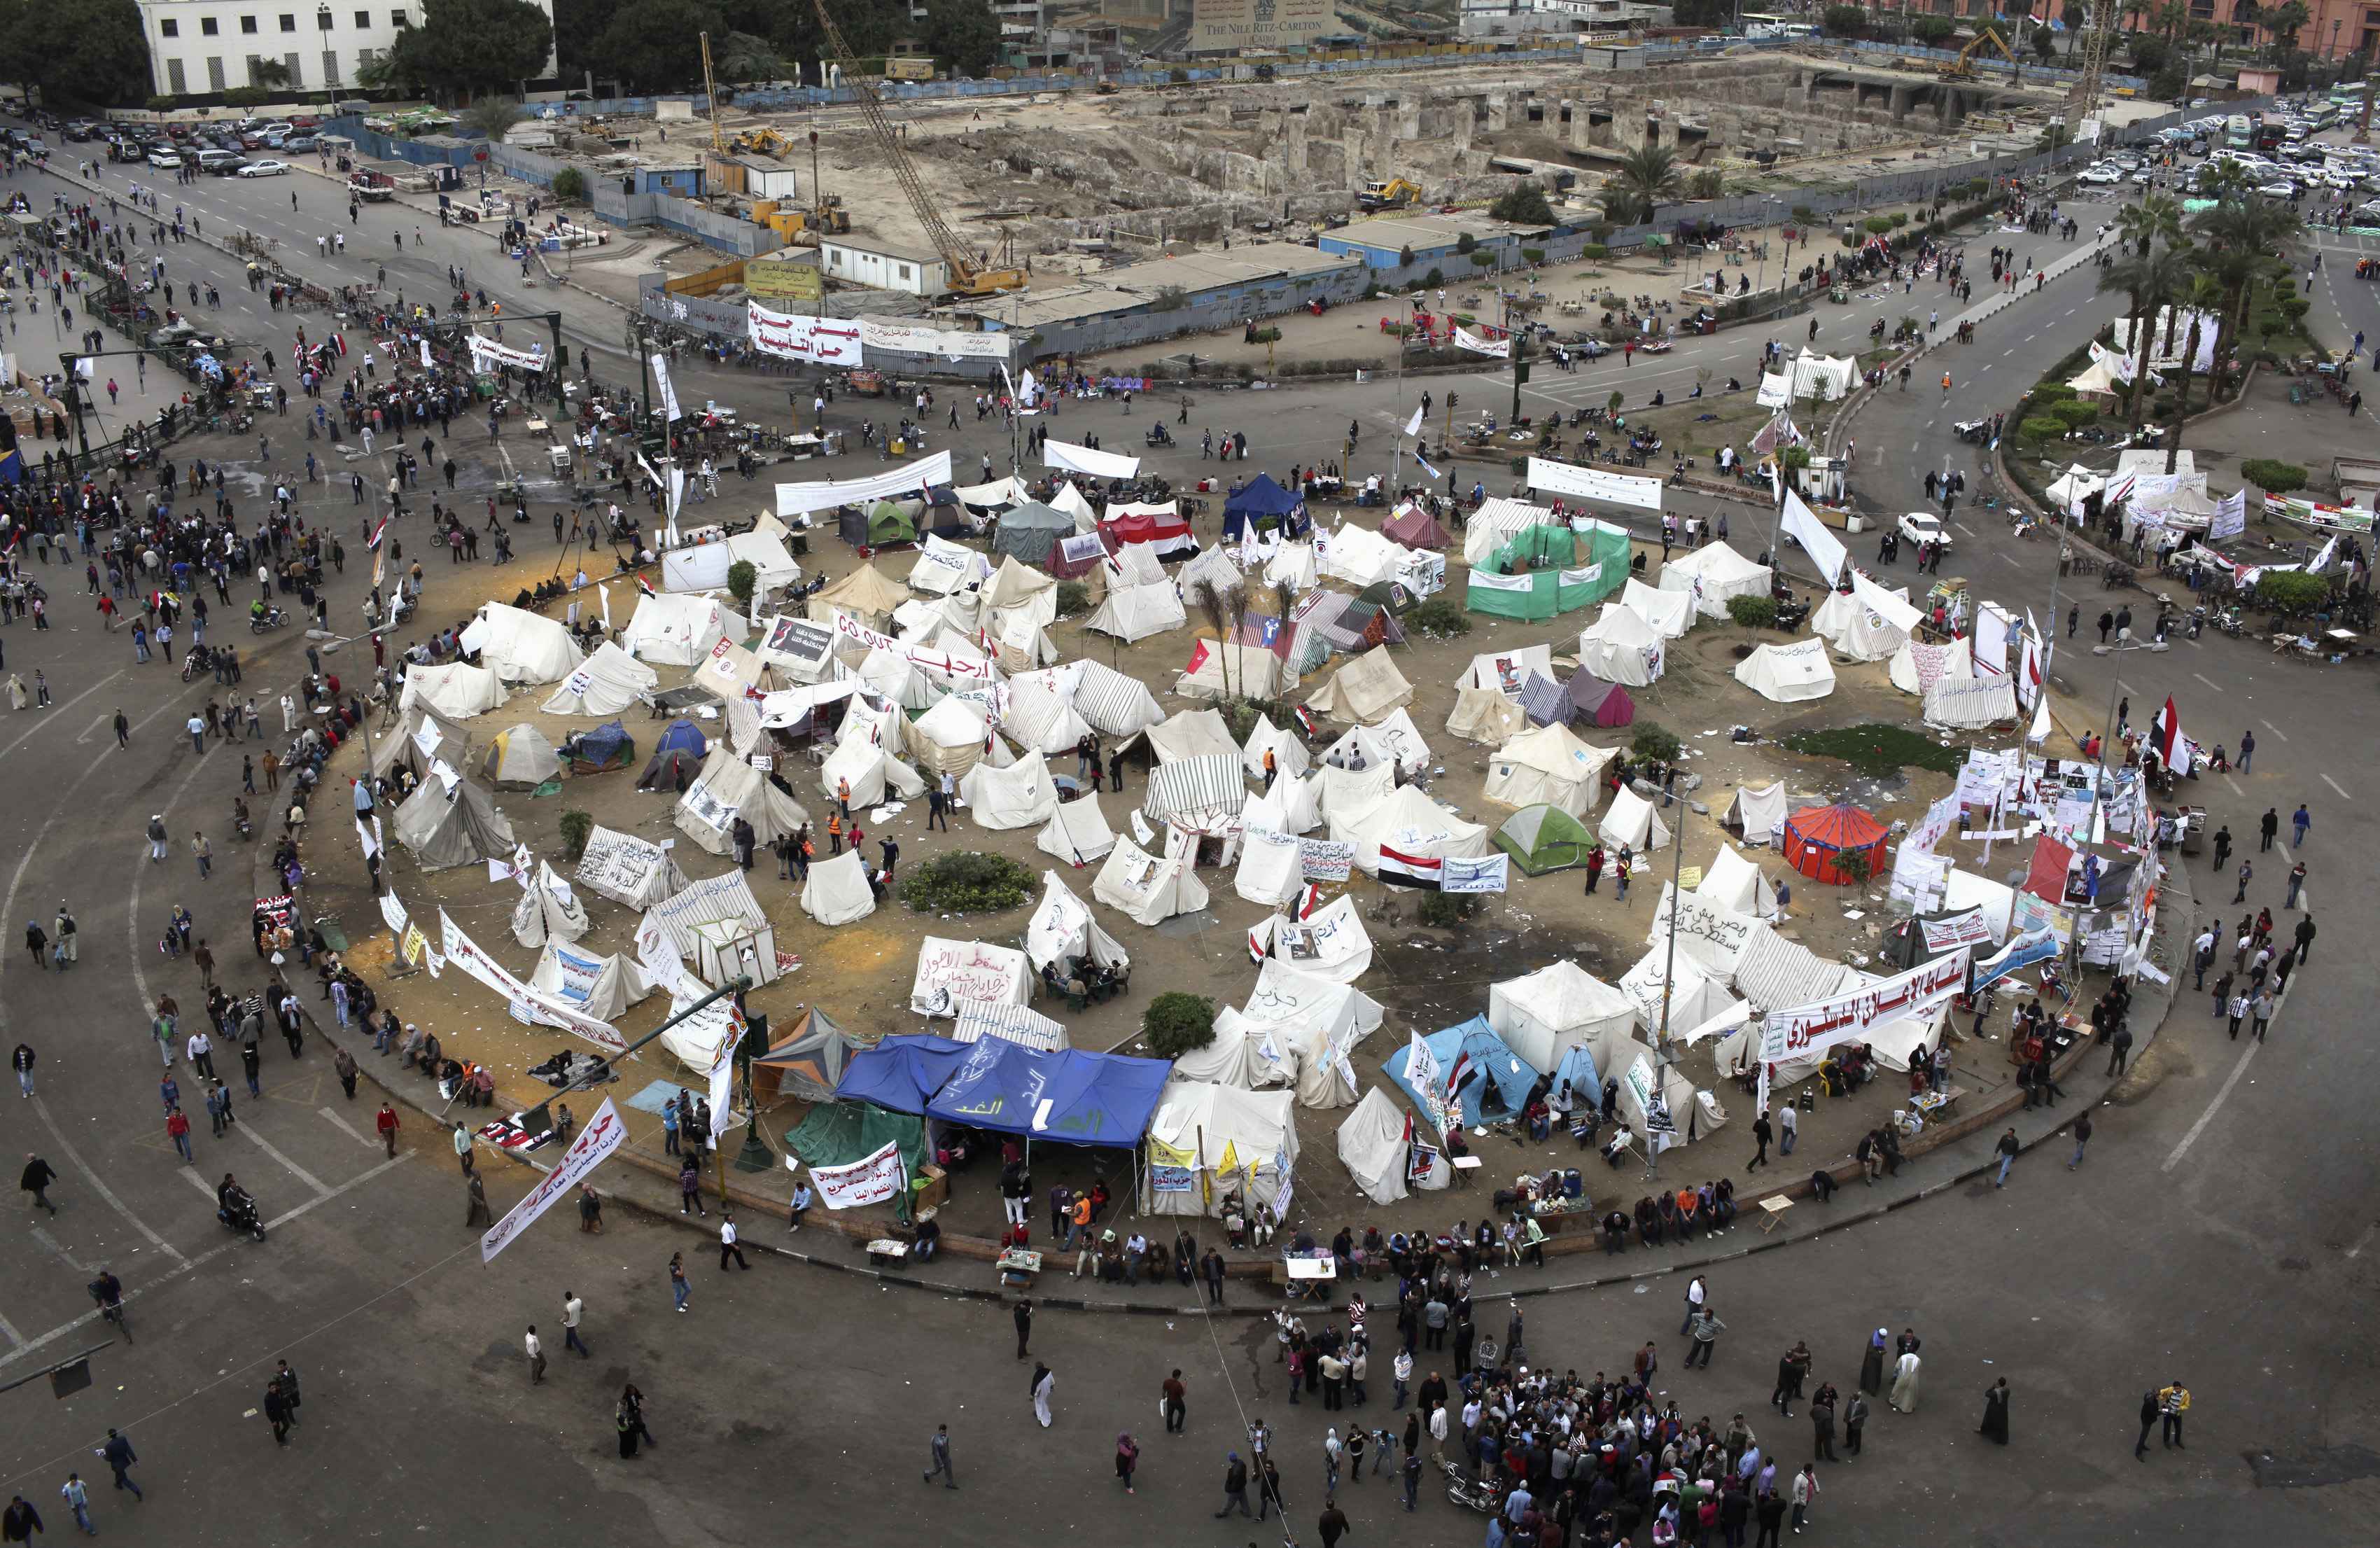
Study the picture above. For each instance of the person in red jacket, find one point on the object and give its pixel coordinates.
(387, 1124)
(178, 1128)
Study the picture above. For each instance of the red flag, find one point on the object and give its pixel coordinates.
(2165, 732)
(1305, 720)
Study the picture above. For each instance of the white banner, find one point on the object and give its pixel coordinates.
(1826, 550)
(465, 953)
(1426, 1081)
(1486, 873)
(870, 1180)
(1083, 459)
(393, 914)
(948, 343)
(1498, 348)
(659, 362)
(1483, 580)
(487, 354)
(910, 478)
(1776, 390)
(1811, 1029)
(1959, 929)
(816, 340)
(1321, 859)
(916, 655)
(1594, 483)
(1919, 879)
(593, 1146)
(2230, 517)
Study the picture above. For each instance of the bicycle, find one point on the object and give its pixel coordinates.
(112, 1312)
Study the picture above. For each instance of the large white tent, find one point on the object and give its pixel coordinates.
(952, 738)
(1149, 889)
(1134, 613)
(944, 568)
(1669, 613)
(1290, 759)
(1270, 870)
(452, 692)
(1859, 627)
(1373, 1147)
(1366, 688)
(1700, 1006)
(673, 631)
(1737, 884)
(1498, 522)
(596, 986)
(1788, 674)
(950, 971)
(1063, 932)
(1290, 806)
(1077, 832)
(1020, 796)
(1621, 647)
(548, 911)
(1548, 766)
(1415, 826)
(1506, 671)
(837, 891)
(604, 684)
(1234, 1142)
(520, 646)
(1394, 739)
(628, 869)
(728, 788)
(1631, 821)
(1759, 810)
(1222, 670)
(1710, 575)
(875, 775)
(1485, 716)
(1361, 557)
(449, 827)
(1331, 943)
(1543, 1014)
(519, 757)
(1041, 715)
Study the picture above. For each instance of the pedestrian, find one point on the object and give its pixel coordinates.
(574, 1311)
(2150, 1410)
(1871, 1377)
(591, 1210)
(1127, 1457)
(121, 1457)
(1761, 1133)
(77, 1497)
(475, 1210)
(728, 1245)
(462, 1142)
(1235, 1486)
(386, 1125)
(680, 1289)
(2173, 1402)
(1172, 1398)
(2119, 1048)
(2247, 873)
(36, 1180)
(178, 1128)
(277, 1411)
(939, 1448)
(535, 1349)
(1044, 1383)
(2262, 1009)
(1855, 1421)
(1789, 1126)
(2238, 1010)
(1905, 1381)
(1704, 1328)
(2006, 1150)
(2267, 826)
(1822, 1424)
(22, 1061)
(2247, 749)
(1995, 1427)
(19, 1521)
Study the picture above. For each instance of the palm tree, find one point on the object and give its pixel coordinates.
(2155, 218)
(2147, 279)
(2201, 295)
(1646, 176)
(2239, 237)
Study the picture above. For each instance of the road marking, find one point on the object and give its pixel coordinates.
(74, 1158)
(2235, 786)
(2362, 1242)
(2206, 1117)
(2336, 785)
(359, 1135)
(190, 1174)
(297, 1171)
(59, 1248)
(8, 1329)
(2274, 729)
(67, 705)
(2208, 681)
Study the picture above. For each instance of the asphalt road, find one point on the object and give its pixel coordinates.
(2221, 1229)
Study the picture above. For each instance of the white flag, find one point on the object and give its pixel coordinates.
(662, 379)
(1412, 426)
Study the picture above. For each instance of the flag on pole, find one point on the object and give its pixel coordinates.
(2165, 732)
(378, 532)
(1304, 719)
(644, 588)
(1412, 426)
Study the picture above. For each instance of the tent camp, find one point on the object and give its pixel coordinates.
(1290, 759)
(714, 926)
(952, 738)
(1415, 833)
(1631, 821)
(1134, 613)
(944, 568)
(1861, 624)
(1415, 528)
(548, 911)
(1585, 699)
(1373, 1147)
(1542, 838)
(1222, 670)
(1506, 671)
(1788, 674)
(602, 987)
(1063, 934)
(1232, 1148)
(949, 972)
(1558, 1008)
(1669, 613)
(1193, 733)
(1031, 532)
(1485, 716)
(445, 827)
(672, 631)
(1621, 647)
(1548, 766)
(519, 757)
(1366, 688)
(728, 788)
(866, 593)
(874, 774)
(1267, 506)
(837, 891)
(520, 646)
(1759, 810)
(1816, 836)
(1710, 575)
(604, 684)
(454, 691)
(1331, 943)
(808, 1062)
(1076, 832)
(1394, 740)
(1020, 796)
(628, 869)
(1738, 886)
(1498, 1082)
(1271, 869)
(1149, 889)
(1290, 806)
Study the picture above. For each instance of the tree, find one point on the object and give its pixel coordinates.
(570, 183)
(2200, 297)
(2237, 236)
(1646, 176)
(470, 46)
(1933, 30)
(268, 73)
(747, 56)
(578, 827)
(2045, 46)
(576, 26)
(76, 51)
(1175, 1024)
(493, 116)
(963, 32)
(1845, 21)
(743, 577)
(657, 44)
(2272, 476)
(1524, 205)
(2282, 24)
(868, 26)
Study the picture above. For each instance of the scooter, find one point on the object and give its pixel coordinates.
(1463, 1490)
(267, 621)
(239, 1215)
(2197, 621)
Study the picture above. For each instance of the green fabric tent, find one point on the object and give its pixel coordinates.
(1547, 570)
(890, 523)
(838, 1133)
(1542, 838)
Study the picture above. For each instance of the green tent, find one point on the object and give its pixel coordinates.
(1549, 569)
(1542, 838)
(890, 523)
(838, 1133)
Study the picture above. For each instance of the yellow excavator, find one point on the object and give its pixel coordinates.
(1394, 194)
(1989, 40)
(762, 141)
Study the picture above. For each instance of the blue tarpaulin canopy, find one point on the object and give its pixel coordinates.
(1498, 1079)
(1268, 505)
(901, 1073)
(1065, 1095)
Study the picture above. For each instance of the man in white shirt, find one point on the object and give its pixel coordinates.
(201, 1050)
(536, 1356)
(573, 1308)
(1789, 1127)
(727, 1244)
(1696, 1292)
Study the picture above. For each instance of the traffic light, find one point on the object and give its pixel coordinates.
(1454, 401)
(1519, 372)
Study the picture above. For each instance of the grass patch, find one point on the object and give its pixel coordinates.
(967, 882)
(1879, 751)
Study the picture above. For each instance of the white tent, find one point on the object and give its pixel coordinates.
(1193, 733)
(1778, 974)
(1738, 886)
(452, 692)
(1361, 557)
(1621, 647)
(672, 630)
(1234, 1142)
(1965, 889)
(714, 926)
(1021, 1025)
(1544, 1015)
(952, 738)
(1134, 613)
(1020, 588)
(874, 774)
(1331, 943)
(1506, 671)
(1414, 825)
(950, 972)
(1221, 670)
(1041, 715)
(1692, 1112)
(1788, 674)
(548, 911)
(1968, 703)
(944, 568)
(1827, 378)
(1243, 1053)
(1700, 1006)
(837, 891)
(628, 869)
(728, 788)
(1133, 565)
(448, 827)
(1070, 500)
(520, 646)
(1485, 716)
(1290, 759)
(1710, 575)
(1498, 522)
(1288, 808)
(1917, 667)
(1063, 932)
(1149, 889)
(1271, 871)
(1318, 1021)
(1373, 1148)
(1758, 810)
(1214, 567)
(602, 987)
(1548, 766)
(604, 684)
(1293, 564)
(772, 567)
(1020, 796)
(1342, 794)
(1631, 821)
(519, 757)
(1366, 688)
(1394, 739)
(1858, 630)
(1116, 704)
(1669, 613)
(422, 737)
(1077, 832)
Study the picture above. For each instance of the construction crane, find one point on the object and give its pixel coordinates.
(2094, 67)
(710, 91)
(970, 276)
(1963, 68)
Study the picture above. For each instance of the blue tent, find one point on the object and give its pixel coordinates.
(1072, 1097)
(1498, 1079)
(609, 746)
(683, 736)
(1578, 1068)
(901, 1073)
(1267, 504)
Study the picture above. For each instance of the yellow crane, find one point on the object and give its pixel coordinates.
(970, 275)
(711, 91)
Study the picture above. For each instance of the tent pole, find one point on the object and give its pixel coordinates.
(1669, 982)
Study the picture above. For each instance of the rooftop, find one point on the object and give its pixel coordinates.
(884, 247)
(1421, 232)
(1133, 285)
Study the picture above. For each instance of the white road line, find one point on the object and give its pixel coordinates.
(352, 1132)
(8, 1329)
(67, 705)
(59, 1248)
(74, 1158)
(2235, 786)
(2206, 1117)
(2336, 785)
(2273, 728)
(190, 1174)
(2208, 681)
(269, 1148)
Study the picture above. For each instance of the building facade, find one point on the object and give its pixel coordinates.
(207, 47)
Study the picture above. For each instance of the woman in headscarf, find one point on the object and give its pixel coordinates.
(1871, 1378)
(1044, 1383)
(1995, 1412)
(1127, 1457)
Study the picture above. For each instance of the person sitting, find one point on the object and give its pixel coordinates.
(1111, 1257)
(1690, 1214)
(1723, 1204)
(929, 1240)
(1665, 1206)
(1616, 1149)
(410, 1050)
(1649, 1229)
(1615, 1232)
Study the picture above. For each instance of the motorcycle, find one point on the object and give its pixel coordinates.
(267, 621)
(1470, 1494)
(238, 1213)
(2231, 622)
(194, 664)
(2197, 621)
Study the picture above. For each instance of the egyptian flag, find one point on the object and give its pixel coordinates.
(644, 587)
(1308, 899)
(1400, 870)
(1457, 1077)
(1260, 939)
(2164, 733)
(377, 535)
(1304, 719)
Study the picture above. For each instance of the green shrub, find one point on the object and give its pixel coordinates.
(1482, 259)
(570, 183)
(2292, 590)
(1268, 335)
(743, 577)
(1176, 1024)
(2273, 477)
(1594, 252)
(1657, 744)
(162, 104)
(2041, 429)
(1178, 76)
(2073, 414)
(1440, 910)
(1752, 611)
(246, 96)
(1073, 597)
(2052, 392)
(1879, 751)
(967, 882)
(1524, 205)
(1440, 616)
(1533, 255)
(577, 827)
(1878, 224)
(1433, 279)
(1803, 215)
(1465, 242)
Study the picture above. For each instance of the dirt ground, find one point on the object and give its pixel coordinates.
(1427, 979)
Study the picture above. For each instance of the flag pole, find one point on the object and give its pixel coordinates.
(1669, 987)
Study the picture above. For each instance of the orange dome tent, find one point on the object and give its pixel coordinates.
(1816, 836)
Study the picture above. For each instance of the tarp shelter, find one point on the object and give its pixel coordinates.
(1394, 739)
(1632, 822)
(447, 828)
(454, 691)
(1860, 629)
(1148, 888)
(597, 985)
(1621, 647)
(714, 926)
(600, 751)
(1558, 1008)
(1485, 716)
(604, 684)
(1759, 810)
(447, 743)
(728, 788)
(1209, 1142)
(1669, 613)
(520, 646)
(1816, 836)
(1031, 532)
(1971, 703)
(1331, 943)
(519, 757)
(837, 891)
(1019, 1024)
(1157, 532)
(881, 525)
(808, 1062)
(548, 911)
(1077, 832)
(1965, 889)
(1063, 932)
(1788, 674)
(1413, 826)
(842, 1133)
(1222, 670)
(949, 972)
(1548, 766)
(1549, 569)
(1544, 838)
(1498, 521)
(1738, 886)
(1020, 796)
(671, 631)
(1585, 699)
(875, 775)
(1710, 575)
(900, 1074)
(1069, 1096)
(1202, 795)
(1361, 557)
(1366, 688)
(628, 869)
(1498, 1078)
(1415, 528)
(1267, 506)
(866, 593)
(1134, 613)
(1373, 1147)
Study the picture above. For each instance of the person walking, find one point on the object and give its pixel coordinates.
(1905, 1371)
(574, 1311)
(277, 1411)
(1704, 1328)
(1761, 1133)
(2260, 1009)
(1855, 1421)
(680, 1290)
(177, 1129)
(2248, 873)
(2267, 826)
(1173, 1397)
(1023, 1316)
(1822, 1424)
(387, 1126)
(2173, 1402)
(2082, 1139)
(2238, 1012)
(1235, 1486)
(939, 1448)
(2006, 1150)
(462, 1142)
(24, 1058)
(2297, 884)
(535, 1348)
(1044, 1384)
(2300, 821)
(2119, 1048)
(474, 1206)
(19, 1521)
(728, 1245)
(36, 1180)
(77, 1497)
(119, 1456)
(1127, 1457)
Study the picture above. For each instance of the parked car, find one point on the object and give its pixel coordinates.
(1918, 526)
(301, 140)
(267, 168)
(167, 159)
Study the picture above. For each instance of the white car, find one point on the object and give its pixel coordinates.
(1922, 527)
(2283, 188)
(2103, 176)
(265, 169)
(165, 159)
